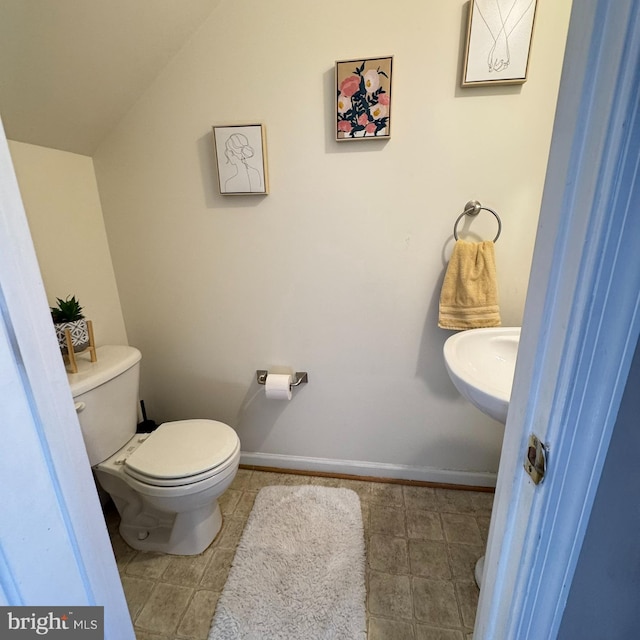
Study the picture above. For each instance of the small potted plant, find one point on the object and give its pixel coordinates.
(68, 315)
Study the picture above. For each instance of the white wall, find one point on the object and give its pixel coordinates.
(61, 199)
(337, 271)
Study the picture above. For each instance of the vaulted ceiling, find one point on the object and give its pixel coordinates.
(71, 69)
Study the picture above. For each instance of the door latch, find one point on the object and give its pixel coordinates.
(535, 461)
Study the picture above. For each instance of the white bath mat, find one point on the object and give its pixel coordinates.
(298, 572)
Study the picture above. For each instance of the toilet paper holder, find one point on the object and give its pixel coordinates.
(299, 377)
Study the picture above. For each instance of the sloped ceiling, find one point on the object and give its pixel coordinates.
(70, 69)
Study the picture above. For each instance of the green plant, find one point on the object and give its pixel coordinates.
(67, 310)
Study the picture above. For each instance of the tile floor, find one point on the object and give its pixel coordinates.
(422, 544)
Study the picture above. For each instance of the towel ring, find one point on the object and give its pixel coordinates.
(473, 208)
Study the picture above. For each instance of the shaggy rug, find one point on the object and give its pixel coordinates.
(298, 572)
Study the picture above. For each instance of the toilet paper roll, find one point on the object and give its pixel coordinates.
(278, 386)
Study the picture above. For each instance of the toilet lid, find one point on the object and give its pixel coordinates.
(183, 448)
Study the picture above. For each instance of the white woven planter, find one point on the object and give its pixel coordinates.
(79, 335)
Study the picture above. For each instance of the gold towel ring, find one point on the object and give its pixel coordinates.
(473, 208)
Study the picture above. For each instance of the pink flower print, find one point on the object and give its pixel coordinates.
(383, 98)
(349, 86)
(363, 119)
(345, 126)
(370, 128)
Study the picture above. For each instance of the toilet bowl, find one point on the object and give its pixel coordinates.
(165, 484)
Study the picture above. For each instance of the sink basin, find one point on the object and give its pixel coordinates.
(481, 364)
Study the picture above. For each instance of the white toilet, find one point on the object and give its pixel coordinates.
(165, 484)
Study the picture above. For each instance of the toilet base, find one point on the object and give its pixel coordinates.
(184, 534)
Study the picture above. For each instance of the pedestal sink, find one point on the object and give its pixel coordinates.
(481, 364)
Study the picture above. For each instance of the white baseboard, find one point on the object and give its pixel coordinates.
(372, 469)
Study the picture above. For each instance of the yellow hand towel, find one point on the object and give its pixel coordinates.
(469, 296)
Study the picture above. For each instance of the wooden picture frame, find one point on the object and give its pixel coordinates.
(498, 42)
(241, 159)
(363, 99)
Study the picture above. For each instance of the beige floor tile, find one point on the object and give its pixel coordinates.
(390, 595)
(296, 480)
(196, 621)
(383, 629)
(145, 635)
(187, 570)
(216, 572)
(482, 502)
(461, 529)
(147, 564)
(241, 481)
(423, 498)
(388, 554)
(431, 633)
(260, 479)
(483, 525)
(365, 508)
(121, 550)
(468, 594)
(454, 501)
(323, 481)
(424, 524)
(387, 520)
(231, 532)
(137, 592)
(388, 495)
(229, 500)
(164, 609)
(435, 603)
(362, 488)
(429, 559)
(463, 560)
(245, 504)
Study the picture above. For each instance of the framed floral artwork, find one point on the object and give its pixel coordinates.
(363, 99)
(241, 158)
(498, 42)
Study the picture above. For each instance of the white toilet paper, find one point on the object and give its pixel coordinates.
(278, 386)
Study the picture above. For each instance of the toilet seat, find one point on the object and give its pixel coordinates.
(182, 452)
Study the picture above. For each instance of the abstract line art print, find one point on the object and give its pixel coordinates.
(499, 36)
(241, 159)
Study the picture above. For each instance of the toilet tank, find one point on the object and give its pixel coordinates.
(106, 398)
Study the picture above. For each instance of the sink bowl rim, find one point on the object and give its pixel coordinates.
(482, 391)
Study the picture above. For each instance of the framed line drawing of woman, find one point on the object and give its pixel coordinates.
(499, 34)
(241, 159)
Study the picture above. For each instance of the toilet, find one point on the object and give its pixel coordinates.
(165, 484)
